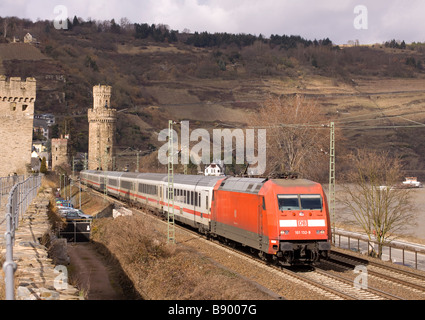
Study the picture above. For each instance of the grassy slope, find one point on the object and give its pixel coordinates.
(158, 270)
(153, 82)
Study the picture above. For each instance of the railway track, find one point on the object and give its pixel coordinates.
(323, 283)
(347, 286)
(392, 276)
(323, 289)
(320, 281)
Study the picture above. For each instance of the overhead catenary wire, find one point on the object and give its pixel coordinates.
(308, 126)
(340, 123)
(345, 123)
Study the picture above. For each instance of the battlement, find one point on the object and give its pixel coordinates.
(59, 142)
(16, 90)
(17, 99)
(105, 115)
(101, 96)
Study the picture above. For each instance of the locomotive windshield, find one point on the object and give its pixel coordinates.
(288, 202)
(311, 201)
(299, 202)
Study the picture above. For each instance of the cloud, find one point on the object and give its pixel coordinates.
(311, 19)
(196, 16)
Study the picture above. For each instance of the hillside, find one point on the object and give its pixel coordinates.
(159, 74)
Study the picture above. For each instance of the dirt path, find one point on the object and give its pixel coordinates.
(91, 273)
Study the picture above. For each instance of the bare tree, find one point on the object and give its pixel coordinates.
(380, 208)
(125, 24)
(296, 140)
(5, 25)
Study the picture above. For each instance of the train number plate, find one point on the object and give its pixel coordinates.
(303, 232)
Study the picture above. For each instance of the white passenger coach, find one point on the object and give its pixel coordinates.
(192, 194)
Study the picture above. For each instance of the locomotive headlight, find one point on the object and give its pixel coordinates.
(320, 231)
(282, 232)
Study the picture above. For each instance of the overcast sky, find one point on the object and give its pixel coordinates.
(369, 21)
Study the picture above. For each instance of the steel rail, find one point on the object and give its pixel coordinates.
(414, 277)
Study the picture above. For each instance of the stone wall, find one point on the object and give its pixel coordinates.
(37, 276)
(17, 100)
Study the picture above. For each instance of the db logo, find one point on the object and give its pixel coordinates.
(302, 223)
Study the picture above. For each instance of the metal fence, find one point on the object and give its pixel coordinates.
(77, 230)
(402, 253)
(7, 183)
(20, 197)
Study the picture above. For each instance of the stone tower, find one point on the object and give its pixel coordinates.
(17, 100)
(102, 120)
(59, 152)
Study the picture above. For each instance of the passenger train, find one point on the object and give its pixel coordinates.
(285, 220)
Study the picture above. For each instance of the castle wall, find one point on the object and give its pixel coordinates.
(17, 100)
(102, 124)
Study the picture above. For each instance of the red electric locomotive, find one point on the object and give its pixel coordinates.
(287, 220)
